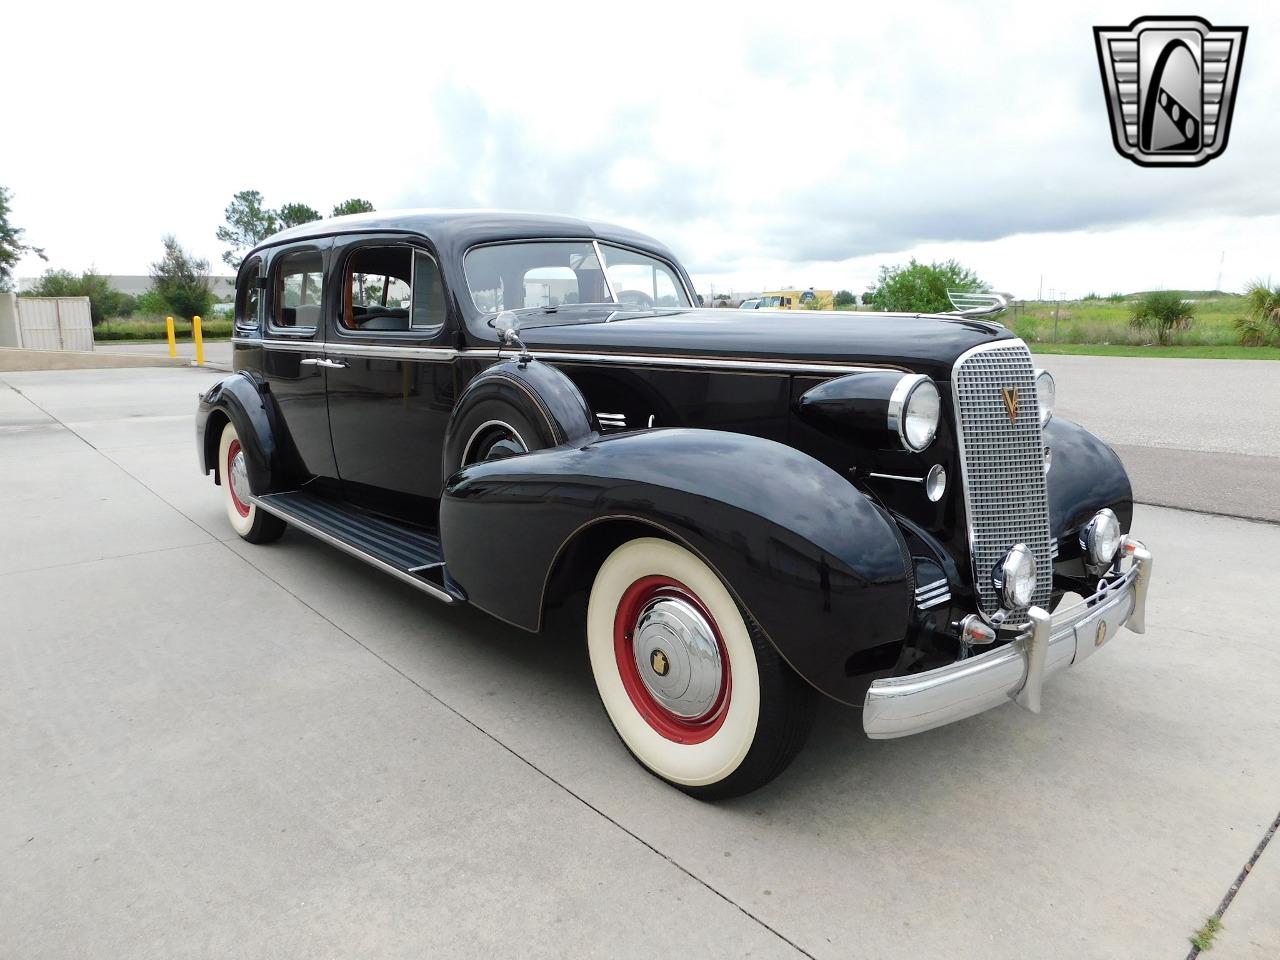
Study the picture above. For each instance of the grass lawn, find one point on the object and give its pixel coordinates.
(1189, 352)
(1106, 322)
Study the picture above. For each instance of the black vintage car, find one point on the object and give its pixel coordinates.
(741, 509)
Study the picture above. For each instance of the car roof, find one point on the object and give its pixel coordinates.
(457, 230)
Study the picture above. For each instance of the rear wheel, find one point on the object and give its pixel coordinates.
(693, 688)
(254, 525)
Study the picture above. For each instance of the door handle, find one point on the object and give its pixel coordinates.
(322, 362)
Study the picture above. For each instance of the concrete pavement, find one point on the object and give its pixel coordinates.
(1198, 434)
(213, 748)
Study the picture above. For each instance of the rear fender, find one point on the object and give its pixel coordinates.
(820, 568)
(248, 406)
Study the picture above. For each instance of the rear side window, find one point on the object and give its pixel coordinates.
(392, 289)
(249, 297)
(299, 291)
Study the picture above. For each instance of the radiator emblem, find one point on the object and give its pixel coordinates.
(1010, 395)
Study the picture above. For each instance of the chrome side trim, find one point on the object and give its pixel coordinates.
(356, 552)
(719, 363)
(279, 343)
(747, 364)
(900, 706)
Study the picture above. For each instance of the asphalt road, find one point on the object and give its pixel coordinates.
(209, 749)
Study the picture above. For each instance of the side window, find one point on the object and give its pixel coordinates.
(392, 290)
(298, 291)
(428, 295)
(377, 291)
(641, 280)
(249, 298)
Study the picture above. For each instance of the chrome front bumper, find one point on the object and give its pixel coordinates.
(900, 706)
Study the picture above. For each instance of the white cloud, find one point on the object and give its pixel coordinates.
(765, 145)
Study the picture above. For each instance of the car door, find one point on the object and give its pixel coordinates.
(391, 375)
(293, 355)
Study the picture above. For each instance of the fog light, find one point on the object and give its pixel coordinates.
(935, 483)
(1100, 538)
(974, 632)
(1015, 578)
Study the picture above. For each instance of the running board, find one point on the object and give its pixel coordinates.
(407, 553)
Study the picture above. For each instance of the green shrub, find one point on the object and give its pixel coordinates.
(1260, 322)
(1162, 311)
(104, 300)
(154, 329)
(182, 280)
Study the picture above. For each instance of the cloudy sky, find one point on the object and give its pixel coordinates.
(768, 146)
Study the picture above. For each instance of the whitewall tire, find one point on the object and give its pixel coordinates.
(246, 519)
(686, 678)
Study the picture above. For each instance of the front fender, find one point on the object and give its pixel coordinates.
(820, 567)
(248, 406)
(1085, 476)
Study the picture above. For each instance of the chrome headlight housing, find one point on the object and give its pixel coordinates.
(1100, 538)
(1015, 578)
(914, 410)
(1046, 395)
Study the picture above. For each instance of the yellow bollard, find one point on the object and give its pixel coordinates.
(195, 332)
(173, 345)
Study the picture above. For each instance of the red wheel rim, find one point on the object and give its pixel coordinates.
(669, 725)
(233, 449)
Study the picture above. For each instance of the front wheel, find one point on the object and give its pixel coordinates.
(254, 525)
(694, 690)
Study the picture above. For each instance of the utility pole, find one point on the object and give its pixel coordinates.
(1221, 261)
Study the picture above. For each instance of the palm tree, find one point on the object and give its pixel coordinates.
(1261, 319)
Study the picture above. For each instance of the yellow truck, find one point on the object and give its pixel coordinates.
(809, 299)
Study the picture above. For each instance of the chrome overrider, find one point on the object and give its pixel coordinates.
(900, 706)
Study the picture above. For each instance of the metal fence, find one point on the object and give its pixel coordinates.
(54, 323)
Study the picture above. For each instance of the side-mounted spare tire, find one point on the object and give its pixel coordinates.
(513, 407)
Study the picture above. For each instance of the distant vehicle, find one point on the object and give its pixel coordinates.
(752, 304)
(797, 299)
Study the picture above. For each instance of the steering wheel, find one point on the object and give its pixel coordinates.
(637, 297)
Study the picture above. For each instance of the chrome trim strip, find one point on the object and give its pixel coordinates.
(936, 601)
(289, 346)
(749, 364)
(900, 706)
(719, 363)
(356, 552)
(894, 476)
(933, 587)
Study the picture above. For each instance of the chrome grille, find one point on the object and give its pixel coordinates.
(1002, 467)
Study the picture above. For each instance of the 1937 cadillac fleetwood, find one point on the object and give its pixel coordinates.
(743, 509)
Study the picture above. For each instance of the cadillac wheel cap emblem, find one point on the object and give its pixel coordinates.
(658, 660)
(1170, 84)
(1100, 637)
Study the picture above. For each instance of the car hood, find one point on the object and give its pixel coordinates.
(922, 343)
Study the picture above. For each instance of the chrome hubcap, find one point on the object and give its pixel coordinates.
(677, 656)
(239, 477)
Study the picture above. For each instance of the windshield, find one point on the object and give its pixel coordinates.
(555, 273)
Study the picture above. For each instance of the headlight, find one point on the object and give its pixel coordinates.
(1015, 578)
(914, 409)
(1046, 394)
(1100, 538)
